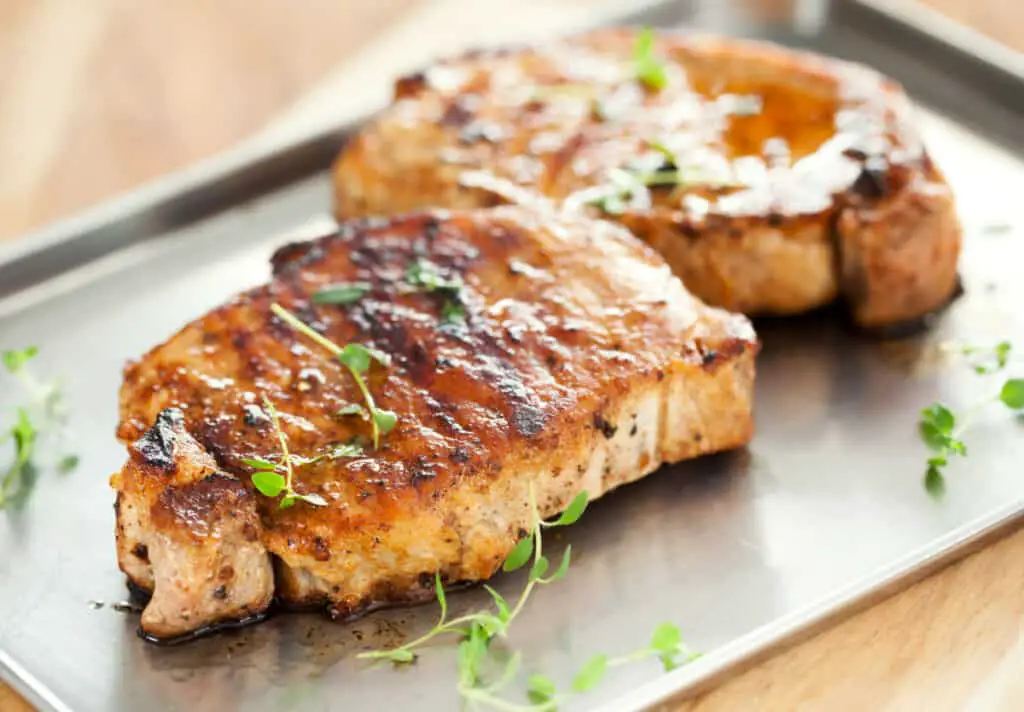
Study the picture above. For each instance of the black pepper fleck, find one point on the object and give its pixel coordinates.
(606, 428)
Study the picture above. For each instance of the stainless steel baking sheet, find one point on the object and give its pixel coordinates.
(742, 550)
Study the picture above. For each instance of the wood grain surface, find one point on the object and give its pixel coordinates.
(98, 97)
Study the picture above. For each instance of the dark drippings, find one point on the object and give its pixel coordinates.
(140, 596)
(204, 631)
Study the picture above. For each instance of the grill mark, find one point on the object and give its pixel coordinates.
(492, 351)
(375, 319)
(527, 418)
(157, 445)
(213, 434)
(195, 504)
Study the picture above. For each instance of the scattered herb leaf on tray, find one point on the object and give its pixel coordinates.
(43, 412)
(483, 675)
(942, 430)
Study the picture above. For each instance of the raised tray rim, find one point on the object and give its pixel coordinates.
(259, 167)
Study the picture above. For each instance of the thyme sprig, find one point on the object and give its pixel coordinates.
(341, 293)
(491, 624)
(23, 433)
(649, 69)
(357, 358)
(985, 360)
(45, 409)
(421, 276)
(942, 430)
(481, 678)
(277, 478)
(629, 187)
(666, 644)
(426, 276)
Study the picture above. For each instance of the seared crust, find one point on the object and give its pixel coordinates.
(582, 364)
(188, 533)
(828, 190)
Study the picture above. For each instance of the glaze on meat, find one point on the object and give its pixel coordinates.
(582, 364)
(804, 178)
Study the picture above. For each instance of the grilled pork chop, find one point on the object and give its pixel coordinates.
(578, 361)
(773, 181)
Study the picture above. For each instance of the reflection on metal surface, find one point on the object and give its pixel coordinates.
(739, 549)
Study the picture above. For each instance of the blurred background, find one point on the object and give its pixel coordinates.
(100, 96)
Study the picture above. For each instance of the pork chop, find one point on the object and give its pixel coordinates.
(561, 355)
(773, 181)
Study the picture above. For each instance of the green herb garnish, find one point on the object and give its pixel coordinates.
(357, 359)
(937, 428)
(478, 631)
(496, 623)
(422, 275)
(649, 70)
(14, 361)
(273, 479)
(1012, 393)
(629, 187)
(45, 410)
(344, 293)
(425, 276)
(590, 673)
(353, 409)
(343, 451)
(453, 312)
(541, 690)
(623, 189)
(24, 435)
(941, 429)
(666, 644)
(986, 360)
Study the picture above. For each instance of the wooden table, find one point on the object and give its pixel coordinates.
(98, 97)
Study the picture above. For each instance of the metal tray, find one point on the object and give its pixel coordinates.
(744, 551)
